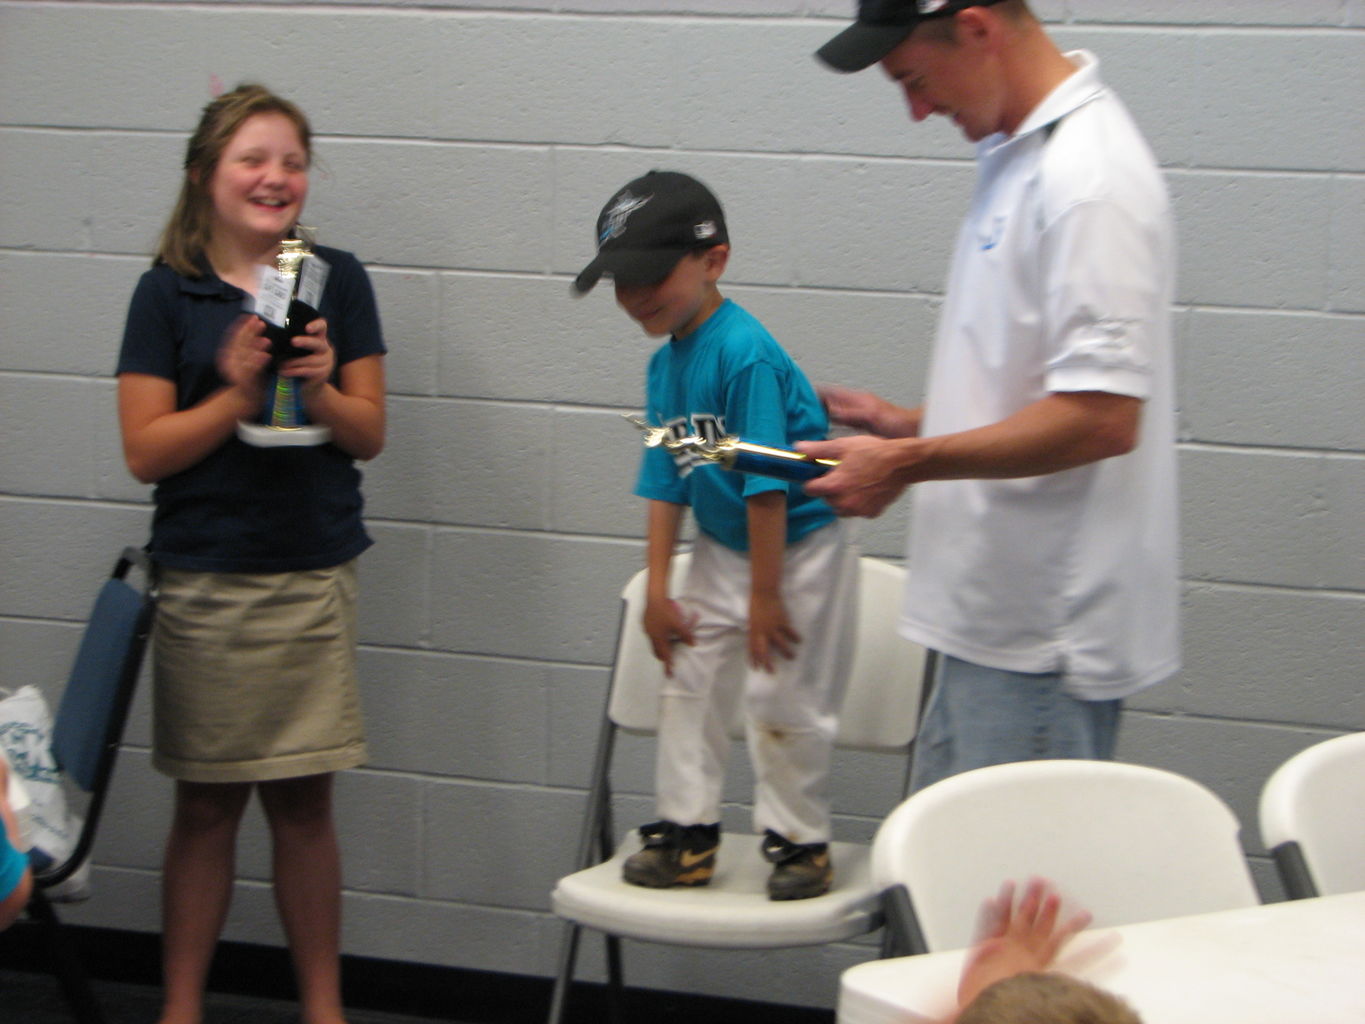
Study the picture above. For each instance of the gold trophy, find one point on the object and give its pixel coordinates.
(732, 453)
(287, 300)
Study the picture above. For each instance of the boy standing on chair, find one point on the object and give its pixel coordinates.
(772, 571)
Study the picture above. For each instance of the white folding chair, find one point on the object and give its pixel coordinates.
(880, 712)
(1313, 818)
(1126, 842)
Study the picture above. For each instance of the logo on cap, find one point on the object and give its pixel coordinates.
(930, 6)
(615, 225)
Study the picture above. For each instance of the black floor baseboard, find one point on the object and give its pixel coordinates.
(419, 990)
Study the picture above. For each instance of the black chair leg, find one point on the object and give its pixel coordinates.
(616, 991)
(75, 983)
(568, 958)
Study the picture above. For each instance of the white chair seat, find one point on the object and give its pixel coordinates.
(733, 911)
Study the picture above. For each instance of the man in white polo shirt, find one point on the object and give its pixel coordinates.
(1043, 549)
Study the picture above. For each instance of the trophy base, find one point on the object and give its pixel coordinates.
(261, 436)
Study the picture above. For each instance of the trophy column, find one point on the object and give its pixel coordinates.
(287, 300)
(737, 455)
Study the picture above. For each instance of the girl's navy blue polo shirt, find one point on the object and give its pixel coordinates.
(242, 508)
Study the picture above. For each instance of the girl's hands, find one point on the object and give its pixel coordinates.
(244, 353)
(315, 369)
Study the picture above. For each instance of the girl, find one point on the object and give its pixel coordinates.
(254, 646)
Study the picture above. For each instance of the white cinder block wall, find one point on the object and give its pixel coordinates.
(464, 150)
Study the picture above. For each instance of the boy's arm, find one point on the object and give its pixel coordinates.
(769, 629)
(664, 620)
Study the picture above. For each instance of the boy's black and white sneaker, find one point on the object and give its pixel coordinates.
(673, 854)
(800, 870)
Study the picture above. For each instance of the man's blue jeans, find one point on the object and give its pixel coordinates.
(979, 716)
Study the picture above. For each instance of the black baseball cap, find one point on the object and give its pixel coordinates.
(880, 28)
(649, 225)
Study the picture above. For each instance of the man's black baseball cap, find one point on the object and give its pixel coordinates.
(880, 28)
(649, 225)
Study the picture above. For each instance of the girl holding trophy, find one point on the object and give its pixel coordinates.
(254, 540)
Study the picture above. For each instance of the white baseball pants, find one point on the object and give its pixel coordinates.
(790, 714)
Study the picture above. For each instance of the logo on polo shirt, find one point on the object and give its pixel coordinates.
(990, 238)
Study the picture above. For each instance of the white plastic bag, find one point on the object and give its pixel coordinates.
(45, 824)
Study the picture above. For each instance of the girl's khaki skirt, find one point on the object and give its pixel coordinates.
(254, 675)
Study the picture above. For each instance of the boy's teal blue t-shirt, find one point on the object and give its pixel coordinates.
(729, 377)
(13, 864)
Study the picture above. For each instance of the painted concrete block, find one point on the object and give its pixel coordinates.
(1245, 378)
(59, 552)
(450, 206)
(1212, 12)
(395, 586)
(577, 697)
(527, 595)
(38, 88)
(112, 481)
(1214, 97)
(38, 652)
(1346, 258)
(878, 225)
(123, 899)
(560, 79)
(1270, 655)
(470, 859)
(409, 313)
(372, 810)
(64, 313)
(525, 338)
(449, 715)
(439, 932)
(469, 463)
(1251, 240)
(1272, 517)
(593, 463)
(47, 448)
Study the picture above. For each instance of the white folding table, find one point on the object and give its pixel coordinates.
(1300, 962)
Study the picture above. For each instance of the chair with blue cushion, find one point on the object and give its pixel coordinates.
(86, 734)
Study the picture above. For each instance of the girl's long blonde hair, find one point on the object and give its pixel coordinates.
(186, 235)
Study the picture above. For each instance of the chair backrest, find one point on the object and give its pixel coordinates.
(99, 692)
(881, 701)
(1126, 842)
(1312, 818)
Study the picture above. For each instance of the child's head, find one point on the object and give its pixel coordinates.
(662, 239)
(1046, 996)
(188, 231)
